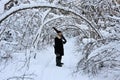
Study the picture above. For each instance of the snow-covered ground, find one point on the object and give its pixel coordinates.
(17, 66)
(44, 67)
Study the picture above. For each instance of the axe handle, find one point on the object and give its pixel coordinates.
(55, 29)
(62, 35)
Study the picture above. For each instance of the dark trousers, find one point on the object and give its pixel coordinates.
(58, 60)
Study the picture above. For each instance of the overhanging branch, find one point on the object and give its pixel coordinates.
(46, 5)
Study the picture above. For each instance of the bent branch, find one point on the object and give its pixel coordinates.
(46, 5)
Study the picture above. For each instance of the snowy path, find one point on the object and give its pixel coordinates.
(45, 64)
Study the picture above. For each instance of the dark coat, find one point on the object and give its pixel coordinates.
(59, 49)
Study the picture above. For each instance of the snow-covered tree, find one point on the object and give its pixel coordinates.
(27, 25)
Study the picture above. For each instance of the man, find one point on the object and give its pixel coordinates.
(59, 50)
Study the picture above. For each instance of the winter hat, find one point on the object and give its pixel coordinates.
(58, 31)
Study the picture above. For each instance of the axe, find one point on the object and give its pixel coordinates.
(57, 31)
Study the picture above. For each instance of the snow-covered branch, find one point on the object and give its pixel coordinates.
(46, 5)
(41, 27)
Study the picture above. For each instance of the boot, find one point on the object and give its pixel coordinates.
(58, 61)
(62, 63)
(59, 65)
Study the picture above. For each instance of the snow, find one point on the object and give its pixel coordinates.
(84, 27)
(51, 72)
(1, 8)
(114, 45)
(90, 40)
(2, 3)
(114, 17)
(49, 5)
(44, 65)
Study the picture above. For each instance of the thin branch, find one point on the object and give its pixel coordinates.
(40, 29)
(46, 5)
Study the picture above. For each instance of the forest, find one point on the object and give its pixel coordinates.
(91, 27)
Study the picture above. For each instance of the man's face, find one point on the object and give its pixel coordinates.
(60, 34)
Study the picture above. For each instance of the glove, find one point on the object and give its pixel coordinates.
(64, 40)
